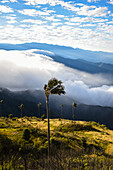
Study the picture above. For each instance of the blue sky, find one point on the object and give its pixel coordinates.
(86, 24)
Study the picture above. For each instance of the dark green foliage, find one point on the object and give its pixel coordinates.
(5, 144)
(10, 116)
(84, 142)
(54, 87)
(43, 117)
(26, 134)
(74, 104)
(79, 127)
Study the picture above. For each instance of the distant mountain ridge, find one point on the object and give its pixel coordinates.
(86, 66)
(70, 57)
(67, 52)
(30, 99)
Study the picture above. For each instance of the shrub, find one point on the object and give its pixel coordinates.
(84, 142)
(43, 117)
(10, 116)
(14, 119)
(26, 134)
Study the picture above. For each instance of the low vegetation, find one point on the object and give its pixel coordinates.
(23, 144)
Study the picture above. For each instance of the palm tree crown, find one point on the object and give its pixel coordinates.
(21, 106)
(1, 101)
(39, 104)
(74, 104)
(54, 87)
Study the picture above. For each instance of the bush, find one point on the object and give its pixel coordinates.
(14, 119)
(43, 117)
(10, 116)
(26, 134)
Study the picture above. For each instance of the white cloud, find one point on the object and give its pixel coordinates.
(4, 1)
(87, 19)
(13, 0)
(32, 21)
(66, 5)
(93, 0)
(93, 11)
(110, 22)
(62, 35)
(52, 18)
(110, 2)
(25, 69)
(41, 2)
(94, 96)
(5, 9)
(11, 19)
(33, 12)
(60, 16)
(84, 10)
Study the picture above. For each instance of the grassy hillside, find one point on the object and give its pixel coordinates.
(74, 145)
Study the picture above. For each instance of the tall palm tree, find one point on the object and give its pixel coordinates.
(73, 110)
(39, 105)
(21, 108)
(1, 101)
(54, 86)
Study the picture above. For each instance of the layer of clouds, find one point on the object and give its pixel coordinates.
(83, 25)
(102, 96)
(93, 0)
(5, 1)
(93, 11)
(110, 2)
(67, 35)
(33, 12)
(5, 9)
(21, 70)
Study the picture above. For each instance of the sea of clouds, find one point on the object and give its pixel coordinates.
(20, 70)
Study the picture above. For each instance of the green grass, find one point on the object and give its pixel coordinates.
(86, 139)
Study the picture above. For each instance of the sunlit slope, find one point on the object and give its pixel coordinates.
(79, 135)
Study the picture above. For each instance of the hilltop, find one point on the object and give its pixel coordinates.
(74, 144)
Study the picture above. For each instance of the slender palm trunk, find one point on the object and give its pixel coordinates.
(61, 114)
(48, 136)
(39, 111)
(21, 112)
(73, 120)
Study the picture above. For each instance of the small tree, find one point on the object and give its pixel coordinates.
(73, 110)
(10, 116)
(54, 86)
(21, 108)
(26, 134)
(43, 117)
(39, 105)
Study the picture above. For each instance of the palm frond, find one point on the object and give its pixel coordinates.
(54, 86)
